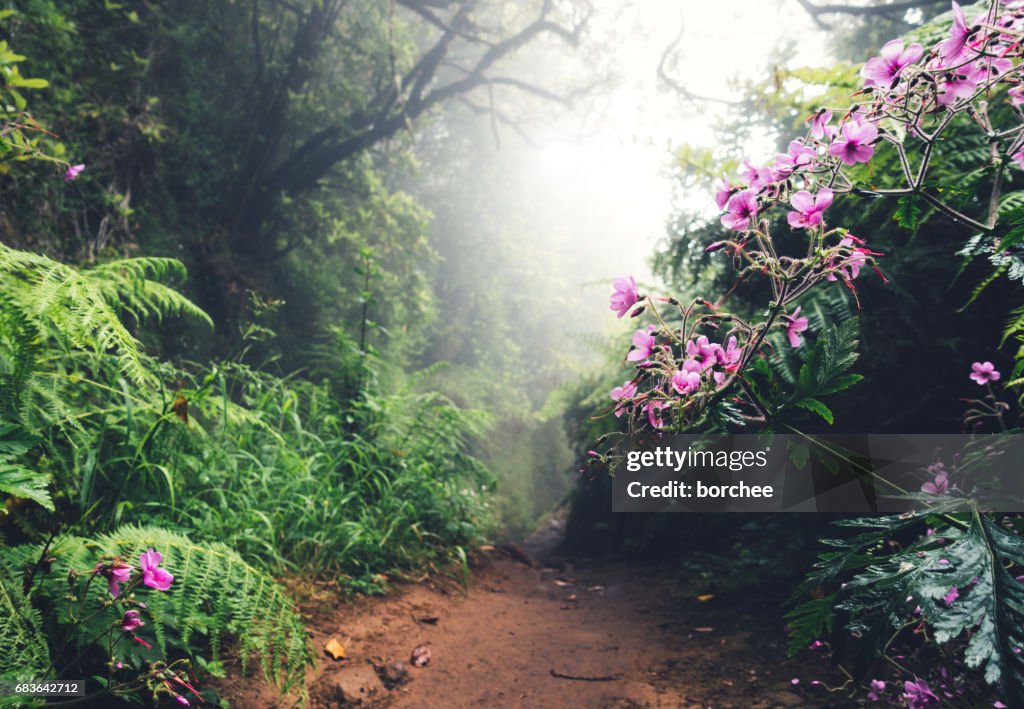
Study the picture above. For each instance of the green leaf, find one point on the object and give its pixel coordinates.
(808, 622)
(817, 407)
(825, 371)
(908, 213)
(885, 588)
(25, 652)
(29, 83)
(799, 454)
(21, 482)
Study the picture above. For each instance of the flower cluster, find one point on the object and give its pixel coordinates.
(911, 93)
(118, 572)
(910, 96)
(126, 676)
(675, 369)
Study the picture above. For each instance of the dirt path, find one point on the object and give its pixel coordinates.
(633, 635)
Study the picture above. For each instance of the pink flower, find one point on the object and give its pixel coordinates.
(1016, 95)
(625, 295)
(731, 355)
(755, 177)
(849, 267)
(854, 144)
(951, 48)
(819, 123)
(938, 486)
(131, 621)
(152, 575)
(919, 695)
(884, 70)
(723, 192)
(687, 379)
(809, 208)
(794, 326)
(72, 173)
(1019, 157)
(798, 156)
(116, 573)
(955, 87)
(984, 372)
(705, 353)
(643, 344)
(951, 596)
(623, 394)
(877, 689)
(742, 207)
(653, 410)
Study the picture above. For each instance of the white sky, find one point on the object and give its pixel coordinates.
(613, 174)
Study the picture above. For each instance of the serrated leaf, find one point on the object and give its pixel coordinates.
(799, 453)
(19, 481)
(887, 587)
(817, 407)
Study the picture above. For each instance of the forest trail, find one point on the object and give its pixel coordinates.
(607, 635)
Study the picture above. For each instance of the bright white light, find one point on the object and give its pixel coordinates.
(612, 177)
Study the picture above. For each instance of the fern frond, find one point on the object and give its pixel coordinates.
(25, 652)
(214, 594)
(44, 303)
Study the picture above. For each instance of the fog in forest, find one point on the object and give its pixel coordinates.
(573, 181)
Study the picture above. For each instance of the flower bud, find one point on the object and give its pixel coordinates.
(638, 311)
(131, 621)
(716, 246)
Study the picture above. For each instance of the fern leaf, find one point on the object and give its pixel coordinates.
(214, 593)
(25, 653)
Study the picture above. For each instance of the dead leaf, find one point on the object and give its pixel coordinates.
(420, 656)
(563, 584)
(703, 630)
(705, 597)
(180, 407)
(335, 649)
(571, 597)
(428, 619)
(595, 588)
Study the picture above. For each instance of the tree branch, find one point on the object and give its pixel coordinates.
(675, 85)
(816, 11)
(391, 112)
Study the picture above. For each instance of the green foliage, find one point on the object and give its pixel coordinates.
(826, 370)
(215, 594)
(885, 584)
(299, 482)
(26, 654)
(17, 480)
(21, 136)
(47, 302)
(287, 474)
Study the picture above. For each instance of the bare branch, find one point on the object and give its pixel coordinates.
(816, 11)
(675, 85)
(397, 106)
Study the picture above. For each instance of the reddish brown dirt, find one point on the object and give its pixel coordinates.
(633, 635)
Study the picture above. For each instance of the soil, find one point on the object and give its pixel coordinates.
(566, 633)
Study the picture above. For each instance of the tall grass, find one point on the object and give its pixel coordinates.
(329, 474)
